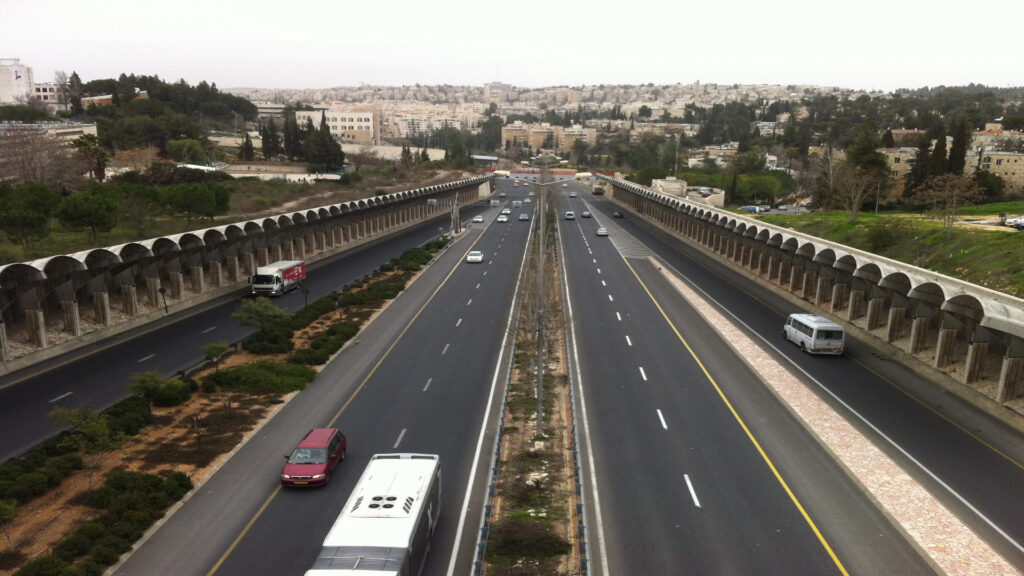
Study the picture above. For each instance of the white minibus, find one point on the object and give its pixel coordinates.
(815, 334)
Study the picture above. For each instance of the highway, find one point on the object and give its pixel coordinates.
(671, 457)
(969, 460)
(422, 379)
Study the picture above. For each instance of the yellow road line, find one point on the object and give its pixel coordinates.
(743, 425)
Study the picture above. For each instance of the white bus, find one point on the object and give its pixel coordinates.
(386, 525)
(815, 334)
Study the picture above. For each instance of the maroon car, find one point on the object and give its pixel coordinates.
(312, 461)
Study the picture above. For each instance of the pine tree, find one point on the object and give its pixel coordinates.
(937, 162)
(75, 92)
(271, 140)
(292, 137)
(887, 140)
(958, 149)
(918, 168)
(246, 150)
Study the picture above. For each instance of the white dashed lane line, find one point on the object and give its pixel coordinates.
(643, 374)
(427, 385)
(400, 436)
(662, 418)
(693, 493)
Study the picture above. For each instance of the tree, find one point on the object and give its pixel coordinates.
(138, 159)
(8, 512)
(292, 137)
(138, 203)
(992, 185)
(92, 210)
(193, 200)
(937, 162)
(25, 211)
(75, 95)
(60, 78)
(93, 154)
(88, 431)
(258, 313)
(945, 194)
(644, 112)
(271, 140)
(246, 151)
(918, 168)
(189, 150)
(958, 149)
(887, 140)
(853, 185)
(365, 155)
(405, 162)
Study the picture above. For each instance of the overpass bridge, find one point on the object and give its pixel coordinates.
(56, 304)
(971, 336)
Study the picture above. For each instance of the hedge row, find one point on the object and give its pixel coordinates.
(48, 464)
(263, 377)
(323, 345)
(132, 502)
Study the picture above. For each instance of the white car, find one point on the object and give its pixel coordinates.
(478, 218)
(502, 218)
(602, 231)
(506, 211)
(572, 194)
(475, 256)
(564, 185)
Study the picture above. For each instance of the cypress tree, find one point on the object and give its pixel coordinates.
(887, 140)
(958, 149)
(918, 167)
(937, 162)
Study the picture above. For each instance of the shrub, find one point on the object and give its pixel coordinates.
(27, 486)
(88, 567)
(323, 345)
(71, 547)
(104, 556)
(263, 377)
(129, 415)
(172, 393)
(45, 566)
(274, 339)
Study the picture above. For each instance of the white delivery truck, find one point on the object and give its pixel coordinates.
(277, 278)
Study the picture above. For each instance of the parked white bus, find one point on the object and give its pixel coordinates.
(815, 334)
(386, 525)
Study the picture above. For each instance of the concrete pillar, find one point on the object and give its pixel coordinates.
(329, 239)
(216, 274)
(974, 367)
(874, 319)
(177, 285)
(249, 263)
(101, 307)
(129, 300)
(895, 325)
(300, 248)
(764, 263)
(784, 268)
(796, 278)
(944, 348)
(261, 258)
(198, 282)
(36, 327)
(72, 322)
(839, 296)
(288, 250)
(1009, 375)
(346, 232)
(919, 333)
(853, 309)
(773, 266)
(809, 284)
(153, 292)
(3, 342)
(232, 262)
(275, 253)
(823, 290)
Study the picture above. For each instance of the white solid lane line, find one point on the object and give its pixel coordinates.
(643, 374)
(143, 359)
(429, 380)
(693, 493)
(628, 341)
(445, 351)
(61, 397)
(399, 441)
(662, 418)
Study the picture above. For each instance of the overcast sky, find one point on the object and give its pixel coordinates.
(865, 44)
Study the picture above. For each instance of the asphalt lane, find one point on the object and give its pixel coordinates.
(965, 457)
(99, 375)
(411, 387)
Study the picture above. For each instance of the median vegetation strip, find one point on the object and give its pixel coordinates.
(75, 503)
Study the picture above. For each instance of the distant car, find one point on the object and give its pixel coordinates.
(502, 218)
(616, 214)
(1017, 222)
(572, 194)
(478, 218)
(782, 207)
(527, 201)
(570, 215)
(524, 216)
(475, 256)
(502, 195)
(585, 214)
(506, 211)
(311, 462)
(602, 231)
(564, 185)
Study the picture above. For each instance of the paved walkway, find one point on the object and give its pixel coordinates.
(953, 548)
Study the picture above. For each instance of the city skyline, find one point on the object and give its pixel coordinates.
(528, 44)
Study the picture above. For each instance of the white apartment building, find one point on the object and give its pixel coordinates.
(409, 125)
(497, 92)
(347, 124)
(16, 80)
